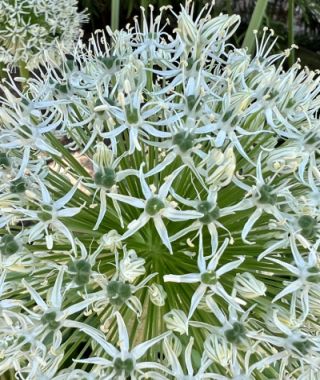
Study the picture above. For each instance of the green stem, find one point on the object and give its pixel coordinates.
(291, 30)
(115, 10)
(24, 72)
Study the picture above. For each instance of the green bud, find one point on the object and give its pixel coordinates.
(183, 140)
(154, 205)
(49, 319)
(125, 366)
(105, 178)
(210, 212)
(81, 271)
(118, 292)
(236, 334)
(8, 245)
(209, 278)
(266, 196)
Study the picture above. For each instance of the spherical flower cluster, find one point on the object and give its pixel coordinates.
(33, 31)
(160, 199)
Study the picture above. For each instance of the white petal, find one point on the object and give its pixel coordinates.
(67, 197)
(196, 298)
(142, 348)
(293, 287)
(183, 278)
(44, 193)
(127, 199)
(164, 189)
(155, 132)
(103, 208)
(158, 168)
(135, 225)
(229, 267)
(35, 295)
(194, 226)
(249, 224)
(56, 296)
(123, 334)
(68, 212)
(147, 193)
(162, 231)
(177, 216)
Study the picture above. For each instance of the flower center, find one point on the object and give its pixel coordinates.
(8, 245)
(154, 205)
(105, 178)
(302, 346)
(210, 212)
(132, 114)
(307, 224)
(236, 334)
(125, 366)
(231, 117)
(18, 186)
(209, 278)
(118, 292)
(266, 196)
(183, 140)
(50, 320)
(81, 271)
(46, 214)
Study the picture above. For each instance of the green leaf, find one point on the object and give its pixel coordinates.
(255, 24)
(115, 10)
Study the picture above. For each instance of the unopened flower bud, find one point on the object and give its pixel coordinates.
(176, 320)
(157, 294)
(217, 349)
(248, 286)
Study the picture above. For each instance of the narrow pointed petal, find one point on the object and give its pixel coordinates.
(230, 266)
(56, 296)
(135, 202)
(35, 295)
(162, 231)
(183, 278)
(196, 298)
(67, 197)
(102, 210)
(123, 334)
(142, 348)
(293, 287)
(177, 216)
(164, 189)
(249, 224)
(135, 225)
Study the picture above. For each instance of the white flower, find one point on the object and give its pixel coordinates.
(157, 294)
(52, 317)
(131, 266)
(124, 362)
(248, 286)
(208, 277)
(307, 272)
(155, 207)
(50, 213)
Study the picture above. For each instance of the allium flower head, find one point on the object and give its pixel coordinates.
(160, 198)
(33, 31)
